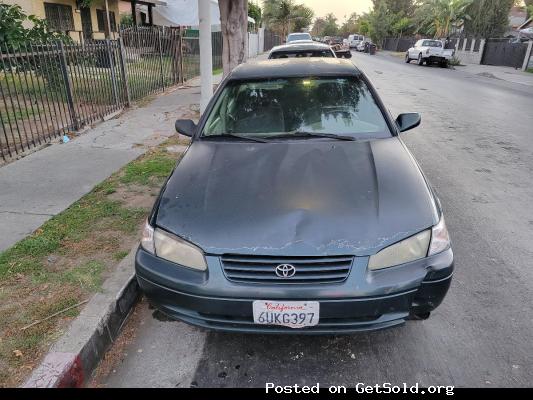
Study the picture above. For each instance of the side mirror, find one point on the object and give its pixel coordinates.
(408, 121)
(186, 127)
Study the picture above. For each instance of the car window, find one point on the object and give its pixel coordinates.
(298, 36)
(301, 53)
(432, 43)
(263, 108)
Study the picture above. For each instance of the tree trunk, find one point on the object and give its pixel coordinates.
(234, 25)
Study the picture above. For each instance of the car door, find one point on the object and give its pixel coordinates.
(416, 49)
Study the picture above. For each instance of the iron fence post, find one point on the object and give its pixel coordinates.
(124, 71)
(180, 54)
(112, 68)
(529, 54)
(161, 59)
(68, 86)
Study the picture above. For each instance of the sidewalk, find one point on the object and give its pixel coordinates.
(41, 185)
(508, 74)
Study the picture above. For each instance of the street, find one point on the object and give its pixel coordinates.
(475, 147)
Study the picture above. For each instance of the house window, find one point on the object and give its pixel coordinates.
(101, 19)
(59, 17)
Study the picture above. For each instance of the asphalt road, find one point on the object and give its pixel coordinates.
(475, 145)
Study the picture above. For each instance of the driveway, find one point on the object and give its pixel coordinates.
(475, 146)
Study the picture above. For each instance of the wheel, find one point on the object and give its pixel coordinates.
(444, 64)
(420, 59)
(407, 59)
(348, 55)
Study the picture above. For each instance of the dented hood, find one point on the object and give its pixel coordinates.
(306, 197)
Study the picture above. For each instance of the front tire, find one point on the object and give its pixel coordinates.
(407, 59)
(420, 60)
(444, 64)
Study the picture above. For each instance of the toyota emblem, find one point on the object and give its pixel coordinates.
(285, 270)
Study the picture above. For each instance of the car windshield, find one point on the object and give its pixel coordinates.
(301, 53)
(432, 43)
(298, 36)
(295, 106)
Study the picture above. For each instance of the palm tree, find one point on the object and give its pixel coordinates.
(437, 17)
(282, 13)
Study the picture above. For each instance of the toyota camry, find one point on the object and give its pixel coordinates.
(297, 208)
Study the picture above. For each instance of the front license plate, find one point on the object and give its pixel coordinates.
(293, 314)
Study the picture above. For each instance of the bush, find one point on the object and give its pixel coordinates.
(454, 61)
(13, 34)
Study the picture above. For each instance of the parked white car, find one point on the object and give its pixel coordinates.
(355, 40)
(361, 46)
(299, 37)
(429, 51)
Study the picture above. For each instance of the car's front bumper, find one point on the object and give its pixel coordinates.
(365, 301)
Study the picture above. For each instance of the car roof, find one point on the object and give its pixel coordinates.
(292, 67)
(301, 45)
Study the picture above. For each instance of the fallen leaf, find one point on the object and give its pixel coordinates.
(17, 353)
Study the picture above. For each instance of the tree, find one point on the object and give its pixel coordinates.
(380, 21)
(489, 18)
(404, 7)
(318, 27)
(330, 27)
(364, 25)
(401, 25)
(389, 17)
(254, 11)
(438, 17)
(234, 26)
(284, 16)
(350, 26)
(303, 17)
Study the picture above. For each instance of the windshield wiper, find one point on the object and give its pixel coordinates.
(300, 134)
(233, 135)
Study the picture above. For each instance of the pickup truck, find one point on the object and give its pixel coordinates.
(429, 51)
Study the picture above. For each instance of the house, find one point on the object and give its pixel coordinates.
(80, 19)
(184, 13)
(140, 10)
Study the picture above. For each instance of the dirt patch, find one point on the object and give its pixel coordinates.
(136, 196)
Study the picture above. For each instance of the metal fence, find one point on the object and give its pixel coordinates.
(53, 89)
(271, 40)
(191, 53)
(502, 51)
(398, 44)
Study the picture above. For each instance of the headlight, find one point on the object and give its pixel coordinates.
(440, 239)
(407, 250)
(172, 248)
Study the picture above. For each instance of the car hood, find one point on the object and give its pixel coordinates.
(301, 197)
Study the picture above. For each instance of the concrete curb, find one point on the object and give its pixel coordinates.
(74, 356)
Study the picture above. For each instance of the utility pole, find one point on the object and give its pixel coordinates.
(206, 57)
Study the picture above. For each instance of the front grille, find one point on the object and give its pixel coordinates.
(309, 270)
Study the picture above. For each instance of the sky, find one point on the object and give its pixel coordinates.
(340, 8)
